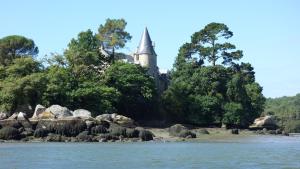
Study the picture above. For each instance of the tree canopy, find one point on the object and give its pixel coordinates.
(16, 46)
(112, 35)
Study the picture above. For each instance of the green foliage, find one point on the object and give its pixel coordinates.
(84, 50)
(22, 82)
(12, 47)
(216, 94)
(206, 44)
(292, 126)
(137, 89)
(285, 109)
(113, 35)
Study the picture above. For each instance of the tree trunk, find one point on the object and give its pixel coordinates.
(113, 55)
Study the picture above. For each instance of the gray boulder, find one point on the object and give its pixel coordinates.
(179, 130)
(118, 119)
(39, 109)
(22, 116)
(3, 116)
(59, 111)
(82, 113)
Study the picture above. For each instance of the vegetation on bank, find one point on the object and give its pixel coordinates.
(286, 111)
(208, 85)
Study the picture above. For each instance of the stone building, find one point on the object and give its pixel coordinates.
(145, 56)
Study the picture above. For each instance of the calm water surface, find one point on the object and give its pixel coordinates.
(256, 152)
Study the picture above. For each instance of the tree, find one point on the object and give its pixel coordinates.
(84, 50)
(207, 43)
(113, 35)
(137, 89)
(15, 46)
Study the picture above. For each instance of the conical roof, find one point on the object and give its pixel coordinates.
(145, 46)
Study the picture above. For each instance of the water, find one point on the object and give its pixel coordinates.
(256, 152)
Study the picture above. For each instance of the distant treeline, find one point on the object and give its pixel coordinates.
(285, 109)
(207, 83)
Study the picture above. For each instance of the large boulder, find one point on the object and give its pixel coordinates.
(9, 133)
(46, 115)
(3, 116)
(268, 122)
(59, 111)
(82, 113)
(22, 116)
(179, 130)
(118, 119)
(39, 109)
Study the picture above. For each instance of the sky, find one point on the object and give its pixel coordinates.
(267, 31)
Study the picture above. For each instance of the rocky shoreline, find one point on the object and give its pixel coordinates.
(59, 124)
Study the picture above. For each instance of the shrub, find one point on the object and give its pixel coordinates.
(292, 126)
(8, 133)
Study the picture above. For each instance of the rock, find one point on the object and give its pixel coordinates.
(264, 122)
(116, 130)
(41, 132)
(118, 119)
(38, 110)
(27, 132)
(179, 130)
(123, 120)
(186, 134)
(84, 136)
(203, 131)
(13, 116)
(234, 131)
(176, 129)
(69, 128)
(278, 131)
(3, 116)
(59, 111)
(53, 138)
(22, 116)
(89, 124)
(146, 135)
(98, 129)
(9, 133)
(46, 115)
(132, 133)
(104, 117)
(82, 113)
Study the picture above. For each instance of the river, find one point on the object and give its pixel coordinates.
(259, 152)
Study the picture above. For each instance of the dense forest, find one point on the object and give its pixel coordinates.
(208, 84)
(286, 110)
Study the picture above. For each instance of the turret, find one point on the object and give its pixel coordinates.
(146, 55)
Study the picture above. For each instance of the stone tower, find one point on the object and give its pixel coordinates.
(146, 56)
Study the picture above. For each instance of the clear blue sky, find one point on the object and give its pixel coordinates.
(268, 31)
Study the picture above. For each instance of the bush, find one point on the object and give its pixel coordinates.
(40, 132)
(292, 126)
(9, 133)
